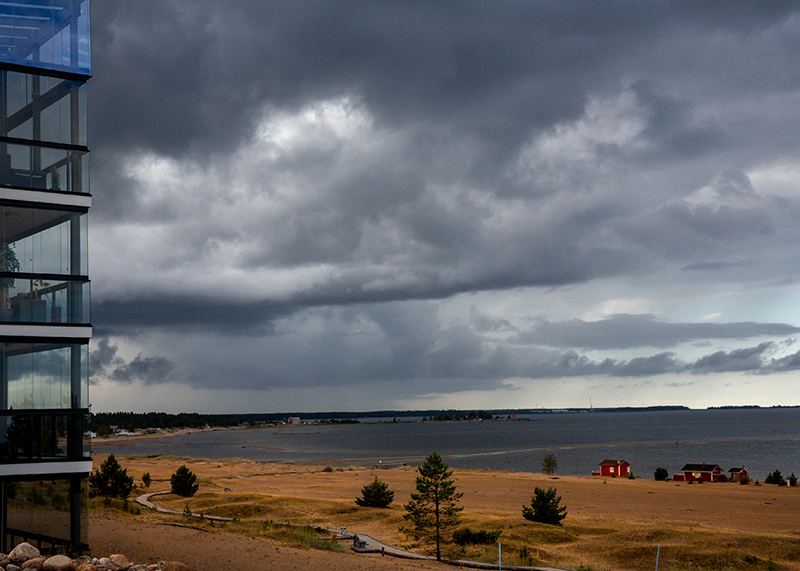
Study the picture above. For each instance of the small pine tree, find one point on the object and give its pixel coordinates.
(111, 480)
(184, 482)
(146, 479)
(661, 474)
(549, 464)
(775, 478)
(433, 510)
(376, 494)
(792, 480)
(544, 507)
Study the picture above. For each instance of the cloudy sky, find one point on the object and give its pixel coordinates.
(304, 206)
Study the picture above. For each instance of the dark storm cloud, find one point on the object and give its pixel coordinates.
(284, 192)
(104, 362)
(626, 331)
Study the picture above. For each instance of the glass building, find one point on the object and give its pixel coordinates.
(44, 283)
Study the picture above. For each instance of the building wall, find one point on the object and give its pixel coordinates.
(45, 322)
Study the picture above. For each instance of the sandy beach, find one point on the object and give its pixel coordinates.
(611, 523)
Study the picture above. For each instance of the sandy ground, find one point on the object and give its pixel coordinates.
(611, 523)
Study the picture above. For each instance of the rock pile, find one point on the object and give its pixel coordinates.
(26, 556)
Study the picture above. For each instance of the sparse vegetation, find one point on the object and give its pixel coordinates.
(545, 507)
(376, 494)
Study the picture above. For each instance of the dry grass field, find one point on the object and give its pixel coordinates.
(614, 524)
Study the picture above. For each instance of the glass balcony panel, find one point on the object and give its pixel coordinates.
(60, 107)
(24, 130)
(19, 92)
(59, 169)
(41, 301)
(86, 448)
(42, 241)
(50, 34)
(51, 378)
(26, 437)
(40, 376)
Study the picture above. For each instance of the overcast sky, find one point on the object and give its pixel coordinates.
(305, 206)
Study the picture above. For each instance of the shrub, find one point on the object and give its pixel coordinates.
(184, 482)
(744, 480)
(661, 474)
(146, 479)
(544, 507)
(465, 536)
(327, 469)
(775, 478)
(549, 464)
(111, 480)
(376, 494)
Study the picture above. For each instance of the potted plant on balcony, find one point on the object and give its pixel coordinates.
(8, 263)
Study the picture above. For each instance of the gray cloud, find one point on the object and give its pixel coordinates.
(627, 331)
(303, 192)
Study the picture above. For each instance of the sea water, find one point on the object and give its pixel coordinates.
(760, 440)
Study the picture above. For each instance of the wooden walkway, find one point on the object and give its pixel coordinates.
(361, 543)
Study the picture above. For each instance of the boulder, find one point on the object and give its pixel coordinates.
(86, 567)
(35, 564)
(57, 563)
(173, 566)
(119, 562)
(103, 564)
(12, 567)
(23, 552)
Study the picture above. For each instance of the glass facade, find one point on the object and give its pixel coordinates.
(44, 281)
(49, 34)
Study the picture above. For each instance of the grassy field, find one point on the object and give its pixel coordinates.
(614, 524)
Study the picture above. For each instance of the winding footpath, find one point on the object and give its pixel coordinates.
(361, 543)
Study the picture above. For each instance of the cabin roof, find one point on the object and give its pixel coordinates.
(612, 462)
(701, 468)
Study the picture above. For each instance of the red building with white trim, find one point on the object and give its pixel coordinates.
(618, 468)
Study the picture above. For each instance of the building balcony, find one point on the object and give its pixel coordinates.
(58, 436)
(35, 300)
(34, 166)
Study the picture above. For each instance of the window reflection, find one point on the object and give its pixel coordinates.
(44, 376)
(43, 241)
(50, 34)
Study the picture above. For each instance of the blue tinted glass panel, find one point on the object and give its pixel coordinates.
(50, 34)
(42, 375)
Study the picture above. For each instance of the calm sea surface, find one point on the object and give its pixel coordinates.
(761, 440)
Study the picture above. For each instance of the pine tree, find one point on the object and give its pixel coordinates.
(111, 480)
(376, 494)
(549, 464)
(184, 482)
(433, 510)
(544, 507)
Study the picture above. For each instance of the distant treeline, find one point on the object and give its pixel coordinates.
(101, 421)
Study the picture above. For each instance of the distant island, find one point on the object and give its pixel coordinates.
(105, 423)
